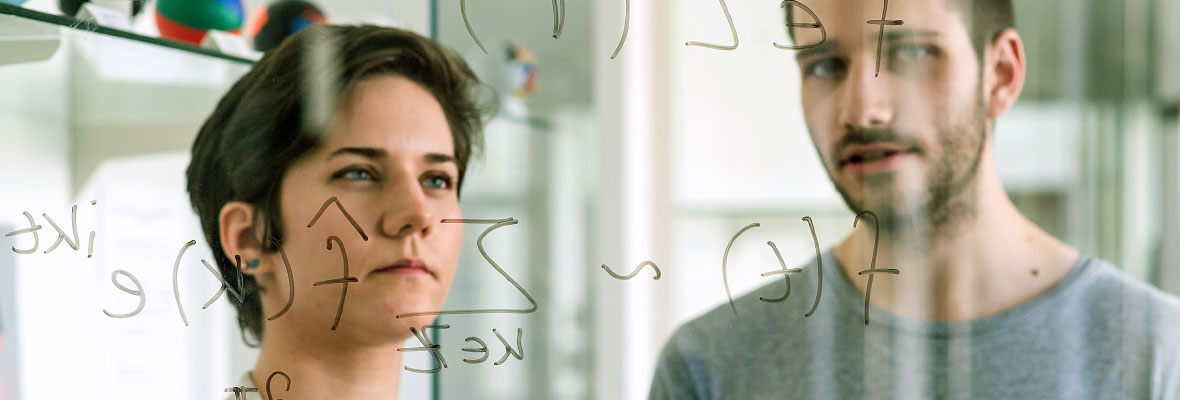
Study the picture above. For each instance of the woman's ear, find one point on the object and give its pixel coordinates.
(241, 238)
(1004, 72)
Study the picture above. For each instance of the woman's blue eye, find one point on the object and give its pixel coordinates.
(357, 174)
(437, 182)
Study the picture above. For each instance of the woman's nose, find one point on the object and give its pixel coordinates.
(408, 213)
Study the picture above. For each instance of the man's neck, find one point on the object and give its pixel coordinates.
(992, 261)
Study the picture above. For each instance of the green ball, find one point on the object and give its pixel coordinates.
(222, 15)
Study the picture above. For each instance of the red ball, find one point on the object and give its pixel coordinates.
(170, 29)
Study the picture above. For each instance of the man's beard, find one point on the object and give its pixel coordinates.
(949, 195)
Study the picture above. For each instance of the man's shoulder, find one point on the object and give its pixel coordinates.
(1109, 285)
(731, 348)
(711, 329)
(1109, 281)
(751, 320)
(1152, 319)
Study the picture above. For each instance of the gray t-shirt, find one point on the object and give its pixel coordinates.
(1097, 334)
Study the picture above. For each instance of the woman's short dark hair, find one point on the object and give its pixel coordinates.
(278, 110)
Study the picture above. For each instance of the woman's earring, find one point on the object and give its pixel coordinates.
(251, 264)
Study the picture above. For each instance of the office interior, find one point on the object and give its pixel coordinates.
(660, 153)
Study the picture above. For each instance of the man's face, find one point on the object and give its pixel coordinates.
(904, 142)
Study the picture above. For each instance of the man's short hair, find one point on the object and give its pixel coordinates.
(988, 18)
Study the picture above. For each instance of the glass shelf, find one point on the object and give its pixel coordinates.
(101, 85)
(91, 26)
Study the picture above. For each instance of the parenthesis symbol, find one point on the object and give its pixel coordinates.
(272, 376)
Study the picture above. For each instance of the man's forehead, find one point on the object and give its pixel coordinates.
(854, 13)
(844, 18)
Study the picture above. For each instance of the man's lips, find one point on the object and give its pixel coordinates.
(871, 152)
(405, 266)
(873, 158)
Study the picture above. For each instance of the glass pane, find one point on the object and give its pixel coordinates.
(534, 170)
(716, 199)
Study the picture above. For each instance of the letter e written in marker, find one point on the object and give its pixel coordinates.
(807, 25)
(138, 291)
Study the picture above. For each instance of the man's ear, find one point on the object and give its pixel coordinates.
(241, 237)
(1004, 70)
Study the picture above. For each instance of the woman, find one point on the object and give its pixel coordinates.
(322, 178)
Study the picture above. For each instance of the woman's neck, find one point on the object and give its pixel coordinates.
(339, 370)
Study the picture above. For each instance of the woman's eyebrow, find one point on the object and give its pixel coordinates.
(439, 158)
(367, 152)
(380, 154)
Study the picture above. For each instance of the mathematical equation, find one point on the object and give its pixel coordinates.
(237, 293)
(334, 242)
(239, 390)
(559, 25)
(786, 273)
(435, 350)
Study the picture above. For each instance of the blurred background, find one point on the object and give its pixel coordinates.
(659, 154)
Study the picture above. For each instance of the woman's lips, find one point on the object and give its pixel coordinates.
(405, 266)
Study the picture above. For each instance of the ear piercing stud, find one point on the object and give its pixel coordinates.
(251, 264)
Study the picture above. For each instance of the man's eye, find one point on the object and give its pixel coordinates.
(824, 68)
(913, 60)
(437, 182)
(913, 53)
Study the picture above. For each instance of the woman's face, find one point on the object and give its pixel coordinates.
(389, 160)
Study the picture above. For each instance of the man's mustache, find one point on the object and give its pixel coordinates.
(860, 136)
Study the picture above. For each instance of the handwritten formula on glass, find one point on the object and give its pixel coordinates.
(240, 391)
(479, 347)
(559, 23)
(332, 243)
(783, 266)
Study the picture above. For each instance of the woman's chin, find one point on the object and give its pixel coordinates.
(381, 332)
(403, 328)
(381, 325)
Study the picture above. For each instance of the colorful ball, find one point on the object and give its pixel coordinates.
(170, 29)
(188, 20)
(271, 24)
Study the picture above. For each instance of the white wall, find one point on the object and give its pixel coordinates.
(34, 172)
(688, 136)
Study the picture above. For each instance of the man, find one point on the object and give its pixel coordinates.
(985, 304)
